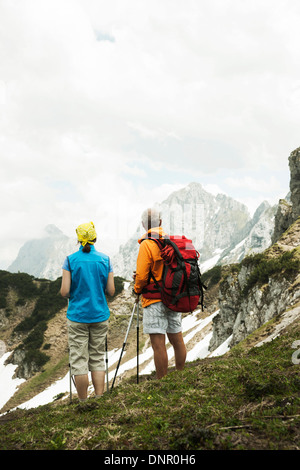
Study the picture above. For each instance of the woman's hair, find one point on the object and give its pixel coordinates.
(87, 246)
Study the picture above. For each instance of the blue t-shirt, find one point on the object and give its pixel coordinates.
(89, 274)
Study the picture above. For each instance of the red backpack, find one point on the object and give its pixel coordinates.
(180, 289)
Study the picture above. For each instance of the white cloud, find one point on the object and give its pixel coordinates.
(213, 189)
(266, 185)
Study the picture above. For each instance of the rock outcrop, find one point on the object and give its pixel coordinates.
(258, 289)
(265, 286)
(289, 211)
(294, 162)
(283, 219)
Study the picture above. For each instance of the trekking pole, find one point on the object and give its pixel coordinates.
(124, 344)
(106, 361)
(137, 342)
(70, 376)
(71, 379)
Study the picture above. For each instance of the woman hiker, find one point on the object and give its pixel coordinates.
(86, 277)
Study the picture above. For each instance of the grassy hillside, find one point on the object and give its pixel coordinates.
(247, 399)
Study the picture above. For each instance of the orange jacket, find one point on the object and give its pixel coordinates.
(148, 259)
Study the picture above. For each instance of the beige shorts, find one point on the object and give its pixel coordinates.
(86, 346)
(157, 318)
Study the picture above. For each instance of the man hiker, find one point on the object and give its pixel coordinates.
(158, 320)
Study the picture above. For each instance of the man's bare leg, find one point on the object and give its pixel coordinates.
(176, 339)
(160, 354)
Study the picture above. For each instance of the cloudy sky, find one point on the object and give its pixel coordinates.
(109, 106)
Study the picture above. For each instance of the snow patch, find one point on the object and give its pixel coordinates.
(8, 384)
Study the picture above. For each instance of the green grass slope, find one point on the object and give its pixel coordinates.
(248, 399)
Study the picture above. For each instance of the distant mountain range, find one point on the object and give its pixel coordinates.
(220, 227)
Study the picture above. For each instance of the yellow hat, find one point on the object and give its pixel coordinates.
(86, 233)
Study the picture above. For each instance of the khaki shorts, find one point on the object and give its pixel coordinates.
(157, 318)
(86, 346)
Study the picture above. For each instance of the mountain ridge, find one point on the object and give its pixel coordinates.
(216, 225)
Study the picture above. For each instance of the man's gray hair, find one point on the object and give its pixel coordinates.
(151, 217)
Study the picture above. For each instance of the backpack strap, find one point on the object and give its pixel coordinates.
(159, 241)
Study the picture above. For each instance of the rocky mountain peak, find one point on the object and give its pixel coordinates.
(52, 231)
(220, 227)
(43, 257)
(260, 210)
